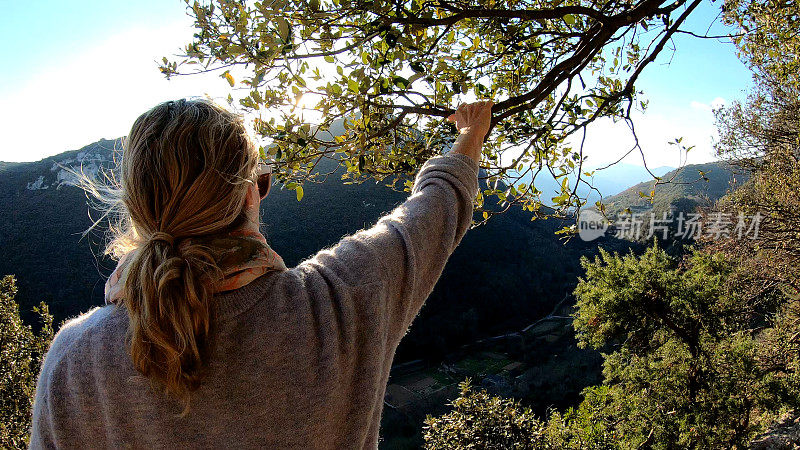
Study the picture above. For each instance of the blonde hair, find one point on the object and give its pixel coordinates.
(185, 171)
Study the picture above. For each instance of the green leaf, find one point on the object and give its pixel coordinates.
(283, 28)
(400, 82)
(299, 192)
(258, 79)
(352, 85)
(415, 77)
(570, 19)
(235, 50)
(329, 58)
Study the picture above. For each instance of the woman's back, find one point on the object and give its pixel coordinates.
(284, 373)
(300, 357)
(212, 341)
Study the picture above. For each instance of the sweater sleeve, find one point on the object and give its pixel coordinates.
(42, 429)
(50, 401)
(403, 255)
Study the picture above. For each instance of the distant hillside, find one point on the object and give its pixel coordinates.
(4, 165)
(690, 187)
(609, 181)
(503, 276)
(621, 176)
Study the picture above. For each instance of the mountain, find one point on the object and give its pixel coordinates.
(503, 276)
(4, 165)
(621, 176)
(684, 189)
(41, 220)
(608, 181)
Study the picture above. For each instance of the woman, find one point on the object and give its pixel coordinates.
(209, 340)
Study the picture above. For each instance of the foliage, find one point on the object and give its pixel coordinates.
(768, 39)
(22, 352)
(480, 420)
(770, 45)
(385, 74)
(766, 124)
(652, 293)
(771, 259)
(691, 363)
(483, 421)
(762, 135)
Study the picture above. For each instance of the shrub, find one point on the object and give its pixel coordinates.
(480, 420)
(21, 354)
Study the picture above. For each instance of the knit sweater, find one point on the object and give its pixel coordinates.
(301, 357)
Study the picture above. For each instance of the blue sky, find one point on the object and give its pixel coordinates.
(76, 72)
(682, 86)
(38, 33)
(698, 68)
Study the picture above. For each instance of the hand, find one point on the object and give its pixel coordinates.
(473, 121)
(473, 118)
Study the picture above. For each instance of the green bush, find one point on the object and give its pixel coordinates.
(21, 353)
(480, 420)
(691, 363)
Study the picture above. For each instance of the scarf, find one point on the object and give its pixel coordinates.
(242, 254)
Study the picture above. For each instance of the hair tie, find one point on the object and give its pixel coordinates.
(164, 237)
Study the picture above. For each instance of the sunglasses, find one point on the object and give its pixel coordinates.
(264, 179)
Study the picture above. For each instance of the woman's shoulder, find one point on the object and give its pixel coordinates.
(100, 319)
(97, 330)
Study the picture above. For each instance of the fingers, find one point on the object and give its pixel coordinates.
(472, 115)
(465, 108)
(481, 105)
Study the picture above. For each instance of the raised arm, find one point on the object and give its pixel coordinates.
(395, 264)
(472, 121)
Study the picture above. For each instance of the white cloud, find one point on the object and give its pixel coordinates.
(717, 103)
(701, 106)
(96, 95)
(606, 141)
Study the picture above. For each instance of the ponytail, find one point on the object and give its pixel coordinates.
(168, 295)
(185, 171)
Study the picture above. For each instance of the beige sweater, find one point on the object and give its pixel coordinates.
(302, 356)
